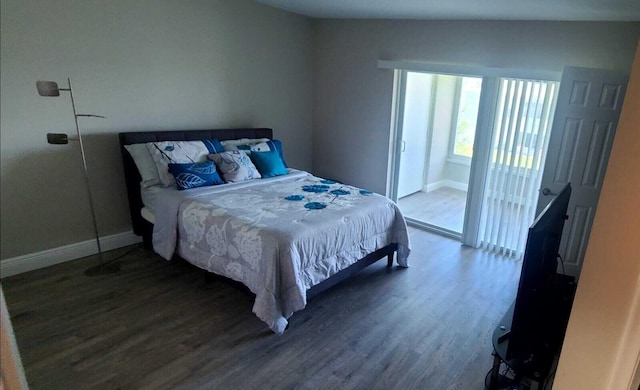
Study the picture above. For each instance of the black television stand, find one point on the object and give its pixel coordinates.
(534, 365)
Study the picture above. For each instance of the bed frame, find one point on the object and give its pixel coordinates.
(144, 228)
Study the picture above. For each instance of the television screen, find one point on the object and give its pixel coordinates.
(532, 314)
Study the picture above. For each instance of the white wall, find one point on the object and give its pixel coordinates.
(146, 65)
(441, 169)
(442, 117)
(353, 97)
(602, 344)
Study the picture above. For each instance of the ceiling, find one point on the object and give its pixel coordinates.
(576, 10)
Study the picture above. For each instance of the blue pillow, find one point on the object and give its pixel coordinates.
(192, 175)
(277, 145)
(213, 145)
(269, 164)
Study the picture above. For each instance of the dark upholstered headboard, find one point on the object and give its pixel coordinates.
(132, 177)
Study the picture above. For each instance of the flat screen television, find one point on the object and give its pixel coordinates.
(533, 307)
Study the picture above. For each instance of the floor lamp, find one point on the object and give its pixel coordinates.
(51, 89)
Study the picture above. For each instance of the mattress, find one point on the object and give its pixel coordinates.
(149, 195)
(148, 215)
(278, 236)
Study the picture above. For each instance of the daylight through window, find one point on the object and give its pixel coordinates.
(467, 116)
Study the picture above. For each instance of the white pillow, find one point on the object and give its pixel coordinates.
(146, 165)
(235, 166)
(175, 152)
(232, 144)
(257, 147)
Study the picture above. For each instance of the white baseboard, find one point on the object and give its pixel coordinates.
(446, 183)
(29, 262)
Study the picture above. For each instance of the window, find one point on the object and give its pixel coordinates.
(465, 119)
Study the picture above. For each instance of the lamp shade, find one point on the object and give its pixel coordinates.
(47, 88)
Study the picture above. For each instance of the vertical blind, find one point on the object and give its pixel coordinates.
(520, 138)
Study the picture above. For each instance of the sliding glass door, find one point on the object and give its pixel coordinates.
(438, 129)
(481, 143)
(522, 126)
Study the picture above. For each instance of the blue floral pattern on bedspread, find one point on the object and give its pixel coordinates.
(315, 188)
(315, 206)
(339, 192)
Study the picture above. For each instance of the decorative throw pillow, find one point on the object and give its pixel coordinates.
(231, 145)
(277, 145)
(195, 175)
(269, 163)
(235, 166)
(180, 152)
(269, 145)
(146, 165)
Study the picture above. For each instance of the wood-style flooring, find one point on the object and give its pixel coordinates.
(443, 207)
(159, 325)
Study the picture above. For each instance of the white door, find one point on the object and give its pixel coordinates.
(586, 117)
(415, 125)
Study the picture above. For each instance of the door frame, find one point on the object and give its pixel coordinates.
(395, 133)
(481, 153)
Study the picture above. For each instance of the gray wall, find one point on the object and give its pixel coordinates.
(353, 97)
(154, 64)
(146, 65)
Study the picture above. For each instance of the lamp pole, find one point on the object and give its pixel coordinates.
(50, 88)
(85, 171)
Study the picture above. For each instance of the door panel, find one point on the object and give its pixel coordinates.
(589, 104)
(415, 127)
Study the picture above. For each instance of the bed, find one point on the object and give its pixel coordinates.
(287, 238)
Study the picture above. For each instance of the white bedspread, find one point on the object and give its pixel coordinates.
(278, 236)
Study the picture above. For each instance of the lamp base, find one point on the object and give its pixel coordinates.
(103, 269)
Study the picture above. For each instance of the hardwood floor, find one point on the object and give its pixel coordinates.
(158, 324)
(443, 207)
